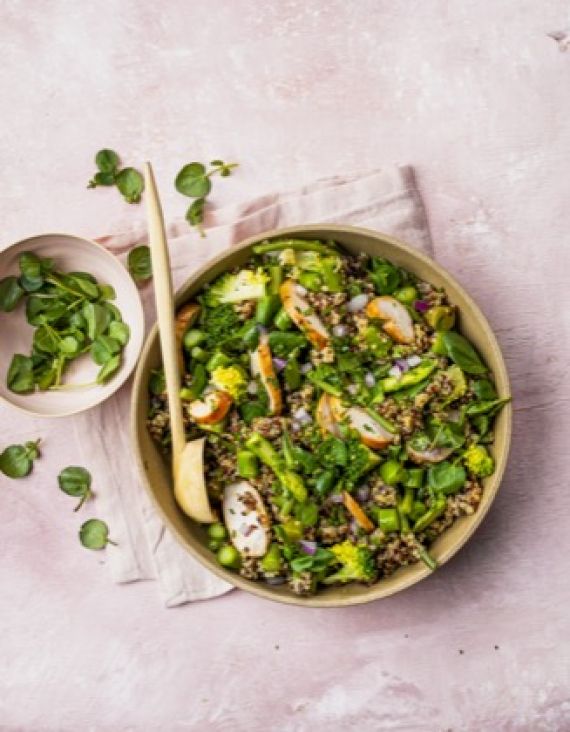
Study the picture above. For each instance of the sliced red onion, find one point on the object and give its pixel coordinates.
(358, 302)
(414, 361)
(305, 368)
(300, 289)
(402, 364)
(308, 547)
(363, 493)
(421, 306)
(339, 331)
(275, 580)
(279, 364)
(336, 498)
(252, 387)
(369, 380)
(302, 416)
(352, 389)
(395, 371)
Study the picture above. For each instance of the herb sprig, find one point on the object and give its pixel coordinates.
(129, 181)
(195, 181)
(16, 461)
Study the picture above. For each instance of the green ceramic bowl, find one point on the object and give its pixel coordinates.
(156, 472)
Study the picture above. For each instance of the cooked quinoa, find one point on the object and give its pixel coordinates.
(342, 406)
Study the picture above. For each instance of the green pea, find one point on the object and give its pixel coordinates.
(199, 354)
(407, 295)
(228, 556)
(217, 531)
(214, 544)
(392, 472)
(193, 337)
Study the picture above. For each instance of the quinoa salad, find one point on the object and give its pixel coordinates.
(341, 419)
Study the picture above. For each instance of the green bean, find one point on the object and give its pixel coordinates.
(410, 378)
(228, 556)
(247, 464)
(415, 478)
(296, 244)
(193, 337)
(418, 510)
(387, 519)
(282, 320)
(249, 334)
(324, 385)
(265, 451)
(272, 561)
(406, 504)
(266, 308)
(311, 280)
(276, 274)
(217, 531)
(433, 512)
(392, 472)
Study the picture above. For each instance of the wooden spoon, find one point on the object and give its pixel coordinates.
(189, 486)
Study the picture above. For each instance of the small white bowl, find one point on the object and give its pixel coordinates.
(71, 253)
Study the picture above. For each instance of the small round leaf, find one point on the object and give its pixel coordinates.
(94, 534)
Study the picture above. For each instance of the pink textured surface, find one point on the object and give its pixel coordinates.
(475, 95)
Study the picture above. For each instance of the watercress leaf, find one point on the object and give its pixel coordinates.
(85, 286)
(446, 478)
(489, 407)
(307, 513)
(107, 161)
(74, 480)
(46, 339)
(139, 263)
(98, 318)
(113, 311)
(109, 368)
(484, 390)
(33, 449)
(332, 452)
(192, 181)
(107, 292)
(20, 377)
(302, 564)
(384, 276)
(10, 294)
(103, 349)
(130, 184)
(77, 321)
(46, 375)
(157, 384)
(69, 346)
(82, 276)
(120, 332)
(94, 534)
(31, 278)
(462, 353)
(15, 461)
(102, 179)
(195, 212)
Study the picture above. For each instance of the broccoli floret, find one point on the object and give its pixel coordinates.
(245, 285)
(357, 564)
(230, 379)
(478, 461)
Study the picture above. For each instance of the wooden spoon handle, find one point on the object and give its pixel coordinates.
(164, 309)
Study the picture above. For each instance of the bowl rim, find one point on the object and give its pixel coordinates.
(377, 592)
(125, 373)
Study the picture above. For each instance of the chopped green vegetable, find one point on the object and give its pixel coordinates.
(357, 564)
(462, 353)
(478, 461)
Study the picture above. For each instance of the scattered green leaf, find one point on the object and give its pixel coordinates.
(139, 263)
(94, 534)
(76, 481)
(16, 461)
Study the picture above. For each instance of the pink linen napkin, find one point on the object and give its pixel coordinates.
(386, 200)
